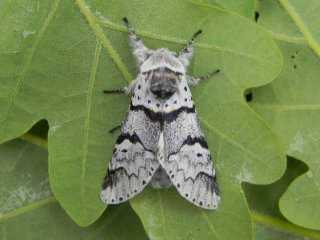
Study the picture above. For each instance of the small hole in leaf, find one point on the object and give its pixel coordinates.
(256, 16)
(295, 66)
(248, 97)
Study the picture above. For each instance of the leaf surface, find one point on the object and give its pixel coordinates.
(306, 17)
(78, 48)
(291, 106)
(242, 7)
(29, 210)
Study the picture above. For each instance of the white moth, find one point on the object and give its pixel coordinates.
(161, 142)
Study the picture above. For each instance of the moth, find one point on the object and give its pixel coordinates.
(161, 142)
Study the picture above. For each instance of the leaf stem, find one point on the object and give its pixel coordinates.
(27, 208)
(283, 225)
(28, 137)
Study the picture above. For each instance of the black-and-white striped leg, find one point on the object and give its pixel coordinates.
(140, 51)
(187, 51)
(116, 127)
(196, 80)
(121, 90)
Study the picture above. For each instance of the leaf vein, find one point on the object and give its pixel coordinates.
(162, 216)
(27, 208)
(184, 41)
(233, 143)
(87, 124)
(204, 216)
(302, 26)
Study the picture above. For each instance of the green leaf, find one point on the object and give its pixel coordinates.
(242, 7)
(306, 17)
(28, 209)
(271, 14)
(291, 105)
(23, 175)
(161, 210)
(263, 202)
(263, 199)
(63, 55)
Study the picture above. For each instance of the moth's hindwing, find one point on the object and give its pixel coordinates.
(187, 157)
(134, 159)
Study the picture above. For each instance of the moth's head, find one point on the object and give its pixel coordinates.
(163, 73)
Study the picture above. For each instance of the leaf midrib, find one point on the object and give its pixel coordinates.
(87, 124)
(104, 40)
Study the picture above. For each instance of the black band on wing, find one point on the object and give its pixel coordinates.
(211, 181)
(134, 138)
(169, 117)
(191, 141)
(153, 116)
(112, 176)
(162, 117)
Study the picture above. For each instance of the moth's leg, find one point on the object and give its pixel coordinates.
(196, 80)
(116, 127)
(187, 51)
(140, 51)
(121, 90)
